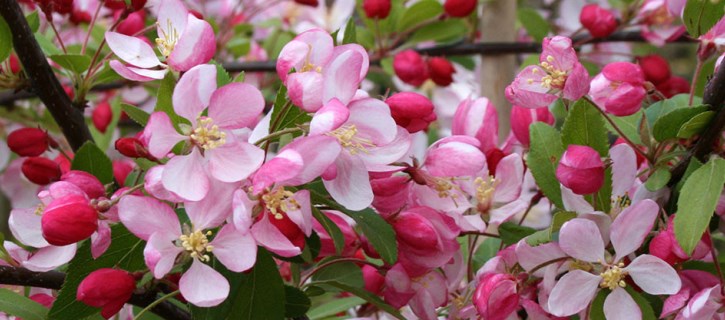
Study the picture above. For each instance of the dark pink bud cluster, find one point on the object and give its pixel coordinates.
(598, 21)
(411, 111)
(376, 9)
(412, 69)
(108, 289)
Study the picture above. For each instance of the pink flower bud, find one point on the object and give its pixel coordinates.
(311, 3)
(368, 248)
(581, 169)
(121, 169)
(373, 280)
(106, 288)
(68, 220)
(412, 111)
(599, 21)
(86, 182)
(79, 16)
(102, 116)
(460, 8)
(655, 68)
(415, 231)
(327, 245)
(391, 194)
(376, 9)
(134, 23)
(496, 296)
(522, 118)
(28, 142)
(619, 88)
(665, 246)
(40, 170)
(673, 86)
(441, 71)
(410, 67)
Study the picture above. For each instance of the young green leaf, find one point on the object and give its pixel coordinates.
(14, 304)
(76, 63)
(701, 15)
(421, 11)
(136, 114)
(543, 158)
(91, 159)
(535, 25)
(668, 126)
(585, 126)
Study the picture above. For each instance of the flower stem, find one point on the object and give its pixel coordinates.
(153, 304)
(329, 263)
(619, 131)
(698, 70)
(90, 27)
(277, 134)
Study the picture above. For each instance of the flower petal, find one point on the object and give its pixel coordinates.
(161, 135)
(351, 187)
(654, 275)
(573, 293)
(160, 253)
(330, 117)
(580, 239)
(211, 211)
(133, 50)
(624, 168)
(49, 258)
(197, 45)
(185, 176)
(268, 236)
(373, 121)
(236, 105)
(619, 305)
(203, 286)
(193, 91)
(234, 161)
(136, 74)
(25, 226)
(144, 216)
(305, 90)
(342, 76)
(632, 226)
(235, 249)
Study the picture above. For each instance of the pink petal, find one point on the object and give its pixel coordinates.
(144, 216)
(203, 286)
(236, 105)
(351, 188)
(574, 202)
(619, 305)
(185, 176)
(373, 121)
(211, 211)
(25, 226)
(236, 250)
(49, 258)
(303, 216)
(293, 55)
(342, 76)
(654, 275)
(136, 74)
(155, 187)
(162, 136)
(452, 159)
(305, 90)
(330, 117)
(268, 236)
(100, 240)
(243, 208)
(624, 168)
(160, 253)
(286, 165)
(320, 43)
(234, 161)
(133, 50)
(197, 45)
(577, 83)
(377, 159)
(193, 92)
(363, 71)
(531, 257)
(477, 118)
(573, 293)
(171, 17)
(632, 226)
(510, 174)
(317, 152)
(580, 239)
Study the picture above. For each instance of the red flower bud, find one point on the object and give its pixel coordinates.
(410, 67)
(15, 66)
(673, 86)
(496, 296)
(581, 169)
(121, 169)
(134, 23)
(373, 280)
(522, 118)
(63, 6)
(133, 148)
(441, 71)
(460, 8)
(86, 182)
(655, 68)
(599, 21)
(376, 9)
(78, 17)
(106, 288)
(28, 142)
(415, 231)
(115, 4)
(311, 3)
(412, 111)
(40, 170)
(68, 220)
(102, 116)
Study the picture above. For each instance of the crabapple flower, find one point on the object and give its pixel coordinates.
(712, 41)
(46, 258)
(522, 118)
(422, 293)
(657, 21)
(581, 169)
(29, 142)
(426, 239)
(477, 118)
(410, 67)
(411, 110)
(619, 88)
(693, 301)
(321, 70)
(665, 246)
(215, 152)
(496, 296)
(184, 41)
(106, 288)
(558, 74)
(166, 239)
(599, 21)
(577, 288)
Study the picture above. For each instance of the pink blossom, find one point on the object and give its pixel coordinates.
(694, 282)
(581, 169)
(496, 297)
(559, 74)
(619, 89)
(215, 151)
(477, 118)
(712, 41)
(322, 71)
(422, 293)
(658, 20)
(522, 118)
(426, 239)
(184, 41)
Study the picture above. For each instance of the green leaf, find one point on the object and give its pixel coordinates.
(644, 305)
(701, 15)
(91, 159)
(296, 302)
(596, 311)
(585, 126)
(256, 295)
(511, 232)
(543, 158)
(535, 25)
(222, 76)
(343, 272)
(286, 117)
(485, 251)
(667, 126)
(697, 202)
(49, 48)
(350, 35)
(164, 102)
(547, 235)
(369, 297)
(440, 31)
(661, 108)
(629, 126)
(420, 12)
(6, 40)
(379, 233)
(126, 252)
(14, 304)
(695, 125)
(658, 179)
(33, 21)
(74, 62)
(692, 166)
(136, 114)
(331, 228)
(334, 307)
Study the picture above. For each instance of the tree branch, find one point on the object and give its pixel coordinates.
(42, 78)
(54, 280)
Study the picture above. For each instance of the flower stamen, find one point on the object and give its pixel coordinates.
(197, 244)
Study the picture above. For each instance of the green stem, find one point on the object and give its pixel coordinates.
(277, 134)
(698, 70)
(619, 131)
(155, 303)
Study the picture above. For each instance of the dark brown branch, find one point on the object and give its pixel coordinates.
(42, 78)
(54, 280)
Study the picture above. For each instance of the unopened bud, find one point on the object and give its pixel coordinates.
(410, 67)
(108, 289)
(581, 169)
(598, 21)
(460, 8)
(68, 220)
(40, 170)
(376, 9)
(28, 142)
(86, 182)
(412, 111)
(441, 71)
(102, 116)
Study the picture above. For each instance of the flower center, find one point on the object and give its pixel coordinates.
(613, 277)
(555, 78)
(197, 244)
(484, 190)
(623, 201)
(349, 139)
(167, 42)
(280, 201)
(207, 135)
(660, 16)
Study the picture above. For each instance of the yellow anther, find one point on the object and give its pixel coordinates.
(485, 188)
(350, 140)
(280, 201)
(167, 42)
(613, 277)
(197, 244)
(207, 135)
